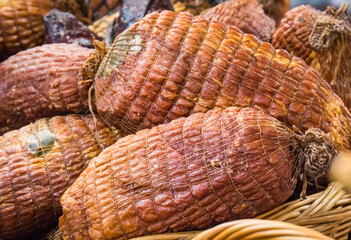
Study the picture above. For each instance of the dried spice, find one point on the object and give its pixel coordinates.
(63, 27)
(42, 82)
(192, 173)
(323, 40)
(183, 64)
(22, 25)
(39, 162)
(247, 15)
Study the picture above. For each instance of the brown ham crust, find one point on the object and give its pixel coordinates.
(39, 162)
(293, 35)
(191, 173)
(21, 24)
(168, 66)
(247, 15)
(333, 63)
(42, 82)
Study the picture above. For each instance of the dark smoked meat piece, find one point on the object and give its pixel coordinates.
(133, 10)
(63, 27)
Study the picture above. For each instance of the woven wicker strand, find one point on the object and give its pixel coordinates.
(248, 229)
(327, 212)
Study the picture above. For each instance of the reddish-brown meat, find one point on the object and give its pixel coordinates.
(247, 15)
(42, 82)
(322, 40)
(39, 162)
(167, 66)
(192, 173)
(275, 8)
(21, 24)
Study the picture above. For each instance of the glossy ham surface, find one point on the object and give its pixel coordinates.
(39, 162)
(171, 65)
(42, 82)
(22, 25)
(247, 15)
(192, 173)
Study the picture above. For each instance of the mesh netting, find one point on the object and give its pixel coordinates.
(194, 172)
(42, 82)
(248, 16)
(322, 41)
(39, 162)
(21, 24)
(187, 65)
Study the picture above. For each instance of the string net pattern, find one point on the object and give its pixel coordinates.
(192, 173)
(39, 162)
(42, 82)
(183, 64)
(247, 15)
(22, 24)
(293, 35)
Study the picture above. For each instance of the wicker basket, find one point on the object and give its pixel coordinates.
(249, 229)
(328, 212)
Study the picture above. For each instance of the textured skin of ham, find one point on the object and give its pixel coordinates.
(168, 66)
(192, 173)
(39, 162)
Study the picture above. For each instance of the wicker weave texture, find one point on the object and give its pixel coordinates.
(328, 212)
(99, 8)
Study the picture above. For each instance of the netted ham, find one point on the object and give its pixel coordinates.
(247, 15)
(323, 40)
(168, 66)
(192, 173)
(21, 24)
(39, 162)
(42, 82)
